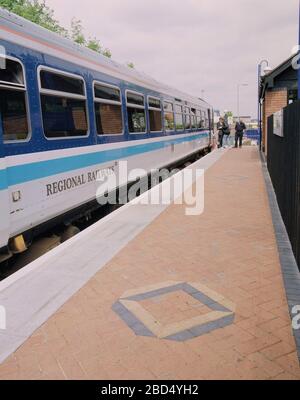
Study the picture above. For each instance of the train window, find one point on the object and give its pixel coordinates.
(135, 99)
(169, 116)
(178, 109)
(198, 119)
(154, 103)
(187, 119)
(136, 112)
(63, 101)
(108, 110)
(14, 115)
(12, 74)
(13, 106)
(179, 118)
(155, 114)
(61, 83)
(199, 123)
(193, 118)
(204, 120)
(104, 92)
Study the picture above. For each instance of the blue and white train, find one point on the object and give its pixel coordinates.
(67, 113)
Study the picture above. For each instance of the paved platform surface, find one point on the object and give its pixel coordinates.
(197, 297)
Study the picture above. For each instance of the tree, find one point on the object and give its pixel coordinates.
(131, 65)
(35, 11)
(77, 32)
(38, 12)
(95, 45)
(92, 43)
(106, 53)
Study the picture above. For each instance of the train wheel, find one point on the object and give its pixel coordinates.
(39, 247)
(70, 232)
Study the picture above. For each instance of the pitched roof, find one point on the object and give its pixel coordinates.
(267, 81)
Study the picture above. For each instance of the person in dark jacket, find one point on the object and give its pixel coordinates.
(223, 130)
(220, 131)
(239, 133)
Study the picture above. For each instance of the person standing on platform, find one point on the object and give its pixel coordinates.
(220, 131)
(224, 132)
(239, 133)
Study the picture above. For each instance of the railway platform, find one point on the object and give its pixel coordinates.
(151, 293)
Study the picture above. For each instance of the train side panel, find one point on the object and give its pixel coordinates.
(41, 178)
(46, 194)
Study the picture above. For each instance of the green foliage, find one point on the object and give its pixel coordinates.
(38, 12)
(130, 65)
(77, 32)
(106, 53)
(95, 45)
(229, 114)
(35, 11)
(92, 43)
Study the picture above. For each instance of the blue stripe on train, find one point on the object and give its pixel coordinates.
(3, 180)
(33, 171)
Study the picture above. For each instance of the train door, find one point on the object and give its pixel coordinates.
(4, 195)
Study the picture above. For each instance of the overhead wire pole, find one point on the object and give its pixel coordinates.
(259, 116)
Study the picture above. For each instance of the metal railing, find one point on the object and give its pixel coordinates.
(283, 161)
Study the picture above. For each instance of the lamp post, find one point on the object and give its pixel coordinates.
(238, 97)
(259, 100)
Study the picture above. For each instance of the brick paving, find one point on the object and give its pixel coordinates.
(230, 250)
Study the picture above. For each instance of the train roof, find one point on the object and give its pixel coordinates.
(17, 29)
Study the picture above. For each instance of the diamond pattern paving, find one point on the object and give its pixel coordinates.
(184, 311)
(230, 249)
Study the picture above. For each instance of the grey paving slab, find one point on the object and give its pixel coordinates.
(155, 293)
(181, 337)
(212, 326)
(201, 330)
(131, 321)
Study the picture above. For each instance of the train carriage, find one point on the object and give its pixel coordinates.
(68, 113)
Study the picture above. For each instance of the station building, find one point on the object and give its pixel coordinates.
(278, 89)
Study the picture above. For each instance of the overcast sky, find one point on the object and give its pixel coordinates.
(193, 45)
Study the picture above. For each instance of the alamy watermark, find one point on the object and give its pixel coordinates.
(185, 187)
(296, 318)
